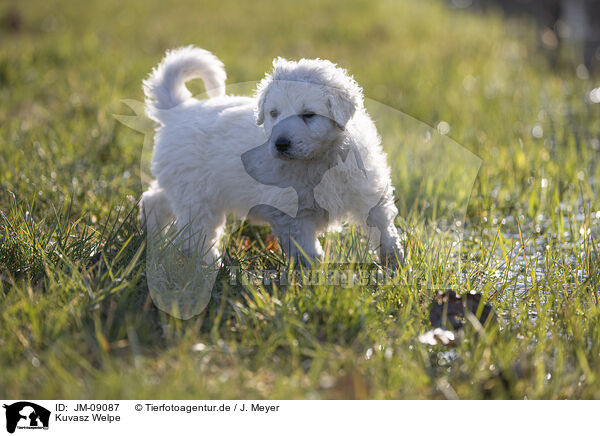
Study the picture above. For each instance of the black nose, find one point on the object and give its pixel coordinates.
(282, 143)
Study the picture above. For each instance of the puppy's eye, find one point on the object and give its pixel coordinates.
(274, 114)
(307, 116)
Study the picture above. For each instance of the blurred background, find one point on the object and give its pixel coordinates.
(575, 23)
(513, 81)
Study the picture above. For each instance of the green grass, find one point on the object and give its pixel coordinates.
(76, 317)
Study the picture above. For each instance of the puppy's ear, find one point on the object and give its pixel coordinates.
(342, 105)
(280, 66)
(260, 110)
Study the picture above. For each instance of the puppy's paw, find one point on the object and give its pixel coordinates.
(392, 257)
(304, 260)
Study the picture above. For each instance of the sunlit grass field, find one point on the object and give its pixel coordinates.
(76, 317)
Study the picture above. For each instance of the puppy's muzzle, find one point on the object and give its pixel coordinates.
(282, 144)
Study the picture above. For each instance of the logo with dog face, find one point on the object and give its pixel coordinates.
(26, 415)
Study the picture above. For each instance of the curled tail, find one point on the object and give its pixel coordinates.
(165, 87)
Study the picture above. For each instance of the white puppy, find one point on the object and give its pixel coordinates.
(306, 131)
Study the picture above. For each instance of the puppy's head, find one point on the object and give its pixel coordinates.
(304, 107)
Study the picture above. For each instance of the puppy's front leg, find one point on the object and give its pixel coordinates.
(304, 246)
(382, 216)
(297, 236)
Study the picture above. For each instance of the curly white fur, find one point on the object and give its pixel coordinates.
(309, 118)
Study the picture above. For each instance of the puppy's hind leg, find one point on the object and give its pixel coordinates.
(199, 233)
(155, 210)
